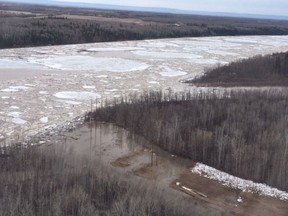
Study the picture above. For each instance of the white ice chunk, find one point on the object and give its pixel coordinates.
(43, 92)
(16, 63)
(113, 49)
(167, 55)
(14, 114)
(15, 88)
(84, 63)
(70, 102)
(239, 199)
(235, 182)
(113, 90)
(153, 82)
(19, 121)
(172, 73)
(77, 95)
(9, 90)
(102, 76)
(222, 53)
(44, 120)
(88, 87)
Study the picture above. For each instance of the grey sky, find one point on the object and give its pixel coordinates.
(266, 7)
(263, 7)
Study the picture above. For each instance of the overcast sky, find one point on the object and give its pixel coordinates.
(266, 7)
(263, 7)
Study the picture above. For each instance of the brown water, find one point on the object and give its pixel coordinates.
(132, 154)
(120, 148)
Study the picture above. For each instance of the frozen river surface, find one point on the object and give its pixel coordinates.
(47, 86)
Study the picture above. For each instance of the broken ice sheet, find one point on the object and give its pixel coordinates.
(77, 95)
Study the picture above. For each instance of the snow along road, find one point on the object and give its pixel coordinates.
(43, 87)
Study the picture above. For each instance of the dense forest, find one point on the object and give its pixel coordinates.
(268, 70)
(242, 133)
(49, 181)
(28, 25)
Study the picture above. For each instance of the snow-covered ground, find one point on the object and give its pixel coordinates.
(45, 86)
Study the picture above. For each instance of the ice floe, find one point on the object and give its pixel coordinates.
(43, 92)
(88, 87)
(167, 55)
(70, 102)
(44, 120)
(77, 95)
(152, 82)
(16, 63)
(113, 49)
(172, 73)
(14, 114)
(15, 88)
(89, 63)
(18, 121)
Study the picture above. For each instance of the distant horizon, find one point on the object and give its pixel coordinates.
(257, 12)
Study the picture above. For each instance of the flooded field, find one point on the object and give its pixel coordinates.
(132, 154)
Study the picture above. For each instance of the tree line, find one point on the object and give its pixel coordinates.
(241, 133)
(55, 27)
(268, 70)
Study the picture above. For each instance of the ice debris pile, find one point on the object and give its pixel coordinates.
(238, 183)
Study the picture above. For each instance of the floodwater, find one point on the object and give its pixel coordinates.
(133, 155)
(120, 148)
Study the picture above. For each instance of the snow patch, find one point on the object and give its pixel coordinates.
(238, 183)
